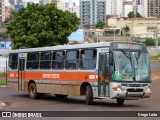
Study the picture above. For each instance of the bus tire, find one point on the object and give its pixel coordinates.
(33, 91)
(120, 101)
(89, 95)
(61, 96)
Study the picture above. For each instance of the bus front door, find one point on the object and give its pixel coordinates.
(21, 74)
(103, 81)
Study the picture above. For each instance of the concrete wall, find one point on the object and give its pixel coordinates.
(2, 64)
(154, 51)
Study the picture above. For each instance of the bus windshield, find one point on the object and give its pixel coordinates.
(131, 66)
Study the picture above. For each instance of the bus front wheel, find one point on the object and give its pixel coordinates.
(33, 91)
(120, 101)
(89, 95)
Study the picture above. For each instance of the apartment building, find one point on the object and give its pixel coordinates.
(71, 7)
(44, 2)
(154, 8)
(127, 7)
(54, 1)
(91, 11)
(114, 7)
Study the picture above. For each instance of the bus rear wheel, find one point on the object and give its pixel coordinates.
(120, 101)
(33, 91)
(89, 95)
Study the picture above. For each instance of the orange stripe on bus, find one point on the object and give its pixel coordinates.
(55, 75)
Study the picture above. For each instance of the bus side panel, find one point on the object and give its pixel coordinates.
(12, 79)
(13, 85)
(58, 87)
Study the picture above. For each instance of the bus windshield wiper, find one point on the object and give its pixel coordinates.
(128, 55)
(137, 57)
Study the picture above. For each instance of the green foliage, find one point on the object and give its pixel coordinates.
(2, 82)
(41, 25)
(100, 24)
(158, 41)
(131, 14)
(149, 42)
(126, 30)
(3, 35)
(75, 42)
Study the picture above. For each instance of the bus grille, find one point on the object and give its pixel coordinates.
(134, 85)
(134, 90)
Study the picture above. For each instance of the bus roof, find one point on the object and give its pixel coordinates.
(62, 47)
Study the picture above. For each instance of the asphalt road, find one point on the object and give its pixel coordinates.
(20, 101)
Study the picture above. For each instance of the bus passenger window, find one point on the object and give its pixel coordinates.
(72, 59)
(88, 59)
(58, 60)
(33, 60)
(13, 61)
(45, 60)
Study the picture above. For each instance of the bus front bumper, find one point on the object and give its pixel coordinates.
(130, 95)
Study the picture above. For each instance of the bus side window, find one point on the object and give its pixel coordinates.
(13, 61)
(33, 60)
(45, 60)
(58, 60)
(88, 59)
(72, 59)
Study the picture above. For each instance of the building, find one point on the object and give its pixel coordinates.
(44, 2)
(91, 11)
(15, 2)
(2, 11)
(77, 36)
(58, 3)
(127, 7)
(114, 7)
(139, 27)
(4, 47)
(141, 7)
(154, 8)
(54, 1)
(5, 44)
(71, 7)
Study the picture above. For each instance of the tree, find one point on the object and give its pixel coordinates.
(131, 14)
(149, 42)
(41, 25)
(126, 30)
(100, 24)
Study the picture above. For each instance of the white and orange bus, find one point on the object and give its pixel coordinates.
(117, 70)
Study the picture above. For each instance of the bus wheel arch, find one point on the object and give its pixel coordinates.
(31, 81)
(32, 89)
(86, 89)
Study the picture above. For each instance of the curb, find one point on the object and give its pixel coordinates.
(3, 86)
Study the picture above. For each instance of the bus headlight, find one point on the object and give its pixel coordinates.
(115, 89)
(148, 90)
(118, 89)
